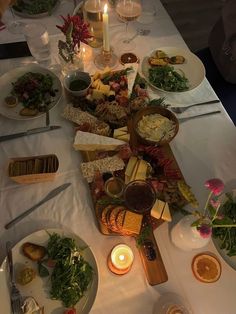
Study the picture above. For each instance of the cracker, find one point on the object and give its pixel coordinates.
(120, 219)
(112, 218)
(104, 213)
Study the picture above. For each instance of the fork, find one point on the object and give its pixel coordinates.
(16, 298)
(141, 32)
(182, 109)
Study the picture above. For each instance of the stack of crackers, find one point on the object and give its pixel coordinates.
(33, 165)
(120, 220)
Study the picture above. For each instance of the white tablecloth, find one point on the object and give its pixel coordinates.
(204, 148)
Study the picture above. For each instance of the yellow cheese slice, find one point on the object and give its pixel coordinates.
(132, 178)
(141, 173)
(124, 137)
(91, 142)
(166, 215)
(157, 209)
(123, 129)
(130, 166)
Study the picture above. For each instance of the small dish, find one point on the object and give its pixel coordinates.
(151, 111)
(114, 187)
(77, 83)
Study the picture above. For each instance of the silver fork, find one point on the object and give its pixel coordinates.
(141, 32)
(16, 298)
(182, 109)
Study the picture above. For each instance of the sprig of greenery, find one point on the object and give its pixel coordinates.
(144, 235)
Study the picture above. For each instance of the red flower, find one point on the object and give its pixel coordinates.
(205, 230)
(215, 185)
(80, 31)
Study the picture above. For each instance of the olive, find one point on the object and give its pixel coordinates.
(149, 250)
(111, 98)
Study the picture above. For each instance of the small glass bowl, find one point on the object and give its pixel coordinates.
(114, 187)
(139, 196)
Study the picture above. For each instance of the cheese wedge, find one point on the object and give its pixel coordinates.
(166, 215)
(132, 178)
(123, 137)
(157, 209)
(91, 142)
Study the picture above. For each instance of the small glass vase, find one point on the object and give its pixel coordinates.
(77, 64)
(186, 237)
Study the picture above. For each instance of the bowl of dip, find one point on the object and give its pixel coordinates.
(155, 126)
(139, 196)
(77, 83)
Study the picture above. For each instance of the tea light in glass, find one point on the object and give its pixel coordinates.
(120, 259)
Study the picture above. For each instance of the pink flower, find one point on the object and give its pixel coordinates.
(205, 230)
(215, 185)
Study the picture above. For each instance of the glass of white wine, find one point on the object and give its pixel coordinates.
(127, 11)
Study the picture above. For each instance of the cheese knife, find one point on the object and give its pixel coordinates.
(48, 197)
(29, 132)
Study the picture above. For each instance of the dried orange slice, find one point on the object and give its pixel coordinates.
(206, 268)
(185, 190)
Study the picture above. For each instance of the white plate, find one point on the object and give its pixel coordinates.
(230, 260)
(193, 67)
(36, 16)
(8, 78)
(39, 288)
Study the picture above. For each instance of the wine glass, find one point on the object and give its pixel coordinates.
(127, 11)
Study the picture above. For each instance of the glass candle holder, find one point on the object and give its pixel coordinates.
(120, 259)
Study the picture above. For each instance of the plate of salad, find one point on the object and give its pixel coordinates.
(173, 70)
(224, 239)
(35, 8)
(55, 270)
(28, 92)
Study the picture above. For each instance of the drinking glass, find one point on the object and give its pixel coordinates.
(128, 10)
(15, 26)
(148, 12)
(38, 41)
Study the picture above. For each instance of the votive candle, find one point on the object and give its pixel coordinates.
(121, 259)
(106, 40)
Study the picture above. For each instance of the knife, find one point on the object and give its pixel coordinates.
(29, 132)
(49, 196)
(198, 115)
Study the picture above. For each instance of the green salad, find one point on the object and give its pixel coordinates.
(71, 275)
(227, 235)
(35, 6)
(166, 78)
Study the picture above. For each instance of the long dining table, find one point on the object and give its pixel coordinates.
(204, 148)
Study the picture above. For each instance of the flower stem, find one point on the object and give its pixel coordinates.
(208, 199)
(223, 226)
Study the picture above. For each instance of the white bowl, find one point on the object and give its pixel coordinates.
(72, 76)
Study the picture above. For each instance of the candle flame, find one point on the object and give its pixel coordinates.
(121, 257)
(105, 8)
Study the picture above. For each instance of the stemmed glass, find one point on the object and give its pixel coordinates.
(127, 11)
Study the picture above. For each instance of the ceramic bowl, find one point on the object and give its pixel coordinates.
(154, 110)
(74, 75)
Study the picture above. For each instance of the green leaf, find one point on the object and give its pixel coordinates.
(43, 271)
(157, 102)
(212, 210)
(224, 221)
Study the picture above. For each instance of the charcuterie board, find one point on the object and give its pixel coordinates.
(117, 165)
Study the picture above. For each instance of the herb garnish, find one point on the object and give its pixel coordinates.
(166, 78)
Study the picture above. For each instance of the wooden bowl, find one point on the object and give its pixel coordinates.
(154, 110)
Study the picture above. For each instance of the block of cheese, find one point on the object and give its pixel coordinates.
(157, 209)
(86, 141)
(166, 213)
(123, 137)
(132, 222)
(141, 172)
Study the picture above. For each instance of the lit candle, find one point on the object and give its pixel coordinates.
(122, 257)
(106, 41)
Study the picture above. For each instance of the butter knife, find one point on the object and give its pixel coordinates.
(198, 115)
(29, 132)
(49, 196)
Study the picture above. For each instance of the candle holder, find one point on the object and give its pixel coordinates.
(120, 259)
(106, 59)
